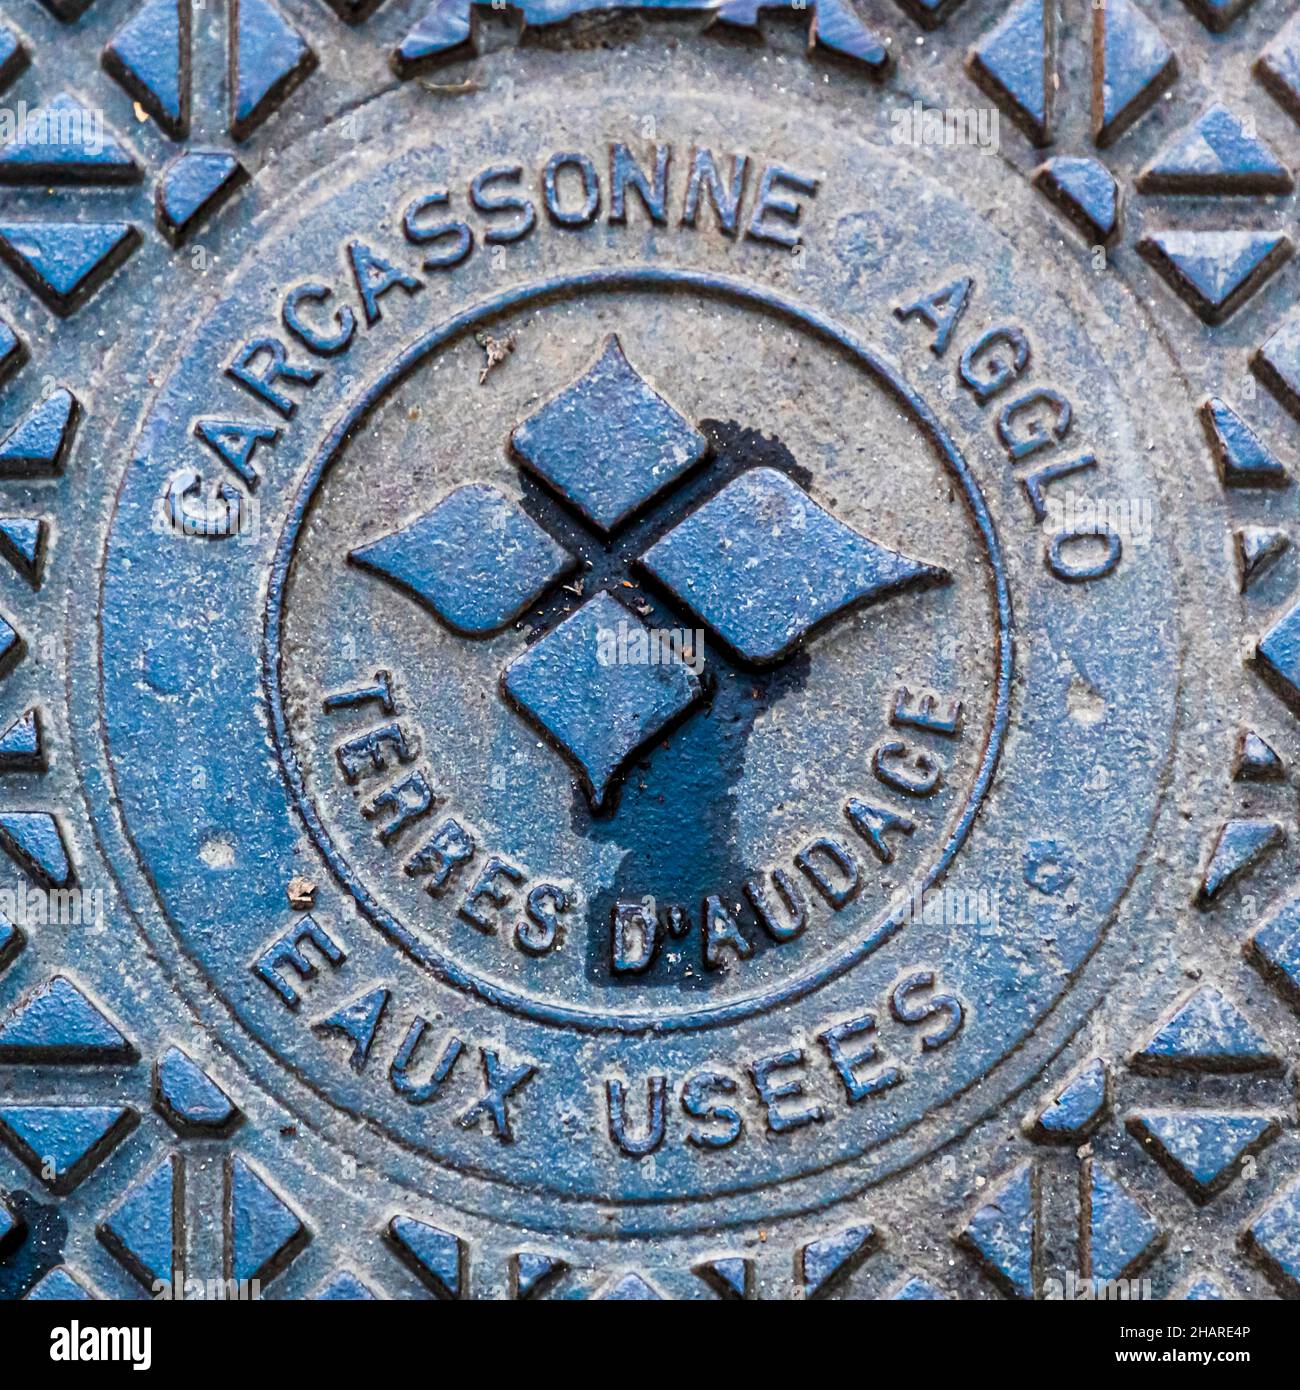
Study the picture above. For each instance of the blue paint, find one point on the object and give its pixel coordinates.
(58, 1023)
(435, 1256)
(268, 58)
(191, 189)
(189, 1099)
(763, 565)
(264, 1233)
(1206, 1032)
(66, 262)
(38, 444)
(599, 713)
(1120, 1235)
(143, 1229)
(75, 158)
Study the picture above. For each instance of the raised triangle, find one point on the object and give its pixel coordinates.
(141, 1231)
(1277, 362)
(1255, 759)
(824, 1264)
(1272, 1239)
(189, 1099)
(150, 56)
(1015, 62)
(34, 841)
(1216, 156)
(1003, 1233)
(263, 1232)
(532, 1270)
(445, 33)
(1277, 655)
(435, 1256)
(11, 646)
(1076, 1109)
(1086, 191)
(1131, 66)
(1202, 1288)
(13, 351)
(1216, 272)
(38, 444)
(74, 157)
(1258, 548)
(22, 540)
(344, 1287)
(1241, 457)
(268, 59)
(1206, 1033)
(1119, 1236)
(837, 28)
(1239, 846)
(631, 1288)
(65, 262)
(13, 55)
(22, 746)
(917, 1290)
(192, 188)
(12, 941)
(728, 1276)
(58, 1023)
(1278, 68)
(1201, 1149)
(12, 1229)
(62, 1143)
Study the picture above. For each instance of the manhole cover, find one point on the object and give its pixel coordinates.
(640, 663)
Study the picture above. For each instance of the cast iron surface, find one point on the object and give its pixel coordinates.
(629, 672)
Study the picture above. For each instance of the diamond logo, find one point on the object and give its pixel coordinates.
(760, 563)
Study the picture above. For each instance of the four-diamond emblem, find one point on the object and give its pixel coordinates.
(599, 713)
(762, 564)
(475, 559)
(608, 443)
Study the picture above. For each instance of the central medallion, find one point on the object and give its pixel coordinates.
(621, 610)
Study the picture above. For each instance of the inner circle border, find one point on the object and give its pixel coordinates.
(609, 280)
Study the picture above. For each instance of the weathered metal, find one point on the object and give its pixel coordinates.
(639, 665)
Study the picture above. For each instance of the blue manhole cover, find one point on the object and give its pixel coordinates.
(641, 667)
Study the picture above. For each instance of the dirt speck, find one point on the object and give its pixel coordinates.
(301, 893)
(495, 352)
